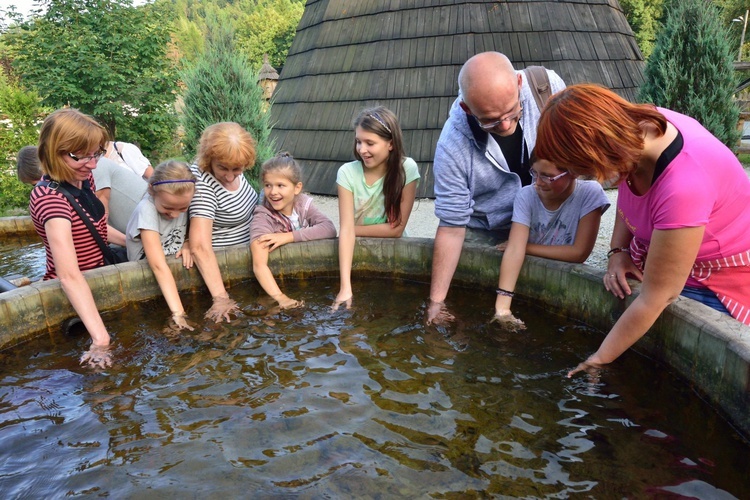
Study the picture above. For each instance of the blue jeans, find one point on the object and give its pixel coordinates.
(486, 237)
(704, 296)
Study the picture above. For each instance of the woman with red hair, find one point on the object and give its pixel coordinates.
(682, 216)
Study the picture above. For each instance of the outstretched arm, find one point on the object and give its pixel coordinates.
(671, 255)
(201, 249)
(77, 290)
(446, 252)
(265, 277)
(346, 246)
(510, 268)
(157, 261)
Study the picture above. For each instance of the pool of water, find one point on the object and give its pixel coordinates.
(22, 256)
(361, 403)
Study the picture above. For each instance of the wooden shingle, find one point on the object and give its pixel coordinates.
(406, 55)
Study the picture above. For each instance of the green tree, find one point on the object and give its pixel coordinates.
(643, 17)
(20, 117)
(269, 28)
(690, 69)
(106, 58)
(222, 86)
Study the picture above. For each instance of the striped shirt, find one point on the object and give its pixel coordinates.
(231, 211)
(46, 204)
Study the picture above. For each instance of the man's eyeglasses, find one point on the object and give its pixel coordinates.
(86, 159)
(509, 119)
(546, 178)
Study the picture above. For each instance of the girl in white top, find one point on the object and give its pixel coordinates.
(376, 192)
(158, 227)
(557, 217)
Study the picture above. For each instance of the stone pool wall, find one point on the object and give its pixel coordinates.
(707, 348)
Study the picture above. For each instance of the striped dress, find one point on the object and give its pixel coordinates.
(231, 211)
(46, 204)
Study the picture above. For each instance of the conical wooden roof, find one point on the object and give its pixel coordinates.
(406, 55)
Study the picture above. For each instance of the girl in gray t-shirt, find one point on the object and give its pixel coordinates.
(557, 217)
(158, 227)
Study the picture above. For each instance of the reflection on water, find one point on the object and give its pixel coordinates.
(361, 403)
(22, 256)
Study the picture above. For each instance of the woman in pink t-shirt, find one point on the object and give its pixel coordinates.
(681, 224)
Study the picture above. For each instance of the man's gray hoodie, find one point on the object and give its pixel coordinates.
(473, 184)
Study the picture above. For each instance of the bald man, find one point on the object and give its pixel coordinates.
(481, 162)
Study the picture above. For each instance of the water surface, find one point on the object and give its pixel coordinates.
(363, 403)
(22, 256)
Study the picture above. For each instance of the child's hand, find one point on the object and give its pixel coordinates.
(507, 321)
(502, 246)
(288, 303)
(345, 298)
(187, 257)
(273, 241)
(178, 321)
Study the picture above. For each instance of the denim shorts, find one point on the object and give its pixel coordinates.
(704, 296)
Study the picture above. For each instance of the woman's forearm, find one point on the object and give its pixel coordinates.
(79, 294)
(205, 258)
(379, 231)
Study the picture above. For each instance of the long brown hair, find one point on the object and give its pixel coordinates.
(593, 132)
(382, 122)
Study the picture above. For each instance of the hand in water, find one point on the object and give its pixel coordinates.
(221, 310)
(507, 321)
(178, 321)
(592, 369)
(438, 314)
(98, 356)
(288, 303)
(342, 299)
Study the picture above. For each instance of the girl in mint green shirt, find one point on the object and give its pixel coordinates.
(376, 192)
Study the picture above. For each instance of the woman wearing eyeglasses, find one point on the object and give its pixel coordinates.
(557, 217)
(682, 215)
(70, 143)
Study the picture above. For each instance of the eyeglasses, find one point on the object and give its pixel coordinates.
(86, 159)
(546, 178)
(509, 119)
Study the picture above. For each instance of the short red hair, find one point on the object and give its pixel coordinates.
(594, 132)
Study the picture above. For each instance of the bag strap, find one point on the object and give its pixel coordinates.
(114, 144)
(539, 84)
(56, 186)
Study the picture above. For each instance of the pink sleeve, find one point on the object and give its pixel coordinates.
(319, 226)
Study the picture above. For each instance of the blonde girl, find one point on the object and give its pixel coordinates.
(158, 228)
(556, 217)
(376, 192)
(285, 216)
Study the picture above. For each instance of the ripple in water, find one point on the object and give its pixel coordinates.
(361, 403)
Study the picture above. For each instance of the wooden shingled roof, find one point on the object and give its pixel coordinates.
(406, 55)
